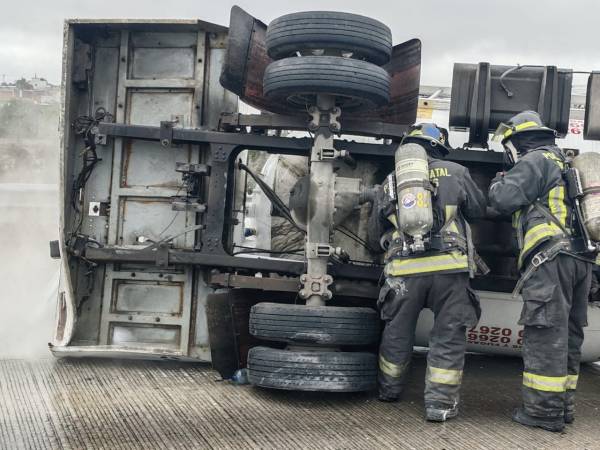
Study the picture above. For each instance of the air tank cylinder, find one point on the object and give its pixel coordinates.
(415, 215)
(588, 166)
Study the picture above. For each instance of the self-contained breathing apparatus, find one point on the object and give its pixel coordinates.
(409, 188)
(582, 241)
(579, 190)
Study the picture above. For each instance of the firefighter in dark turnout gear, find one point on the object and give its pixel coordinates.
(437, 279)
(555, 280)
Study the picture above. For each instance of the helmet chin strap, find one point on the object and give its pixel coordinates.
(511, 151)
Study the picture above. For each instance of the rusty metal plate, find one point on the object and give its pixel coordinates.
(246, 60)
(405, 72)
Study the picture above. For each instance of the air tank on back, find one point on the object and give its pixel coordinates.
(588, 166)
(415, 215)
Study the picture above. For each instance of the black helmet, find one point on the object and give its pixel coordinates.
(435, 136)
(512, 132)
(524, 122)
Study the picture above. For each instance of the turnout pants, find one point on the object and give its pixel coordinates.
(454, 306)
(554, 314)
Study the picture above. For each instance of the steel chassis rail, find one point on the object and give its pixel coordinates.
(223, 148)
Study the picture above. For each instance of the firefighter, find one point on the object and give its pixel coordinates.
(437, 279)
(555, 280)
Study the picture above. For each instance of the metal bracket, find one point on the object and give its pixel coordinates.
(98, 209)
(331, 153)
(321, 118)
(166, 133)
(324, 154)
(191, 174)
(100, 139)
(316, 285)
(193, 169)
(187, 204)
(317, 250)
(334, 123)
(55, 249)
(315, 120)
(162, 255)
(480, 107)
(324, 251)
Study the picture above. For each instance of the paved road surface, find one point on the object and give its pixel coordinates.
(110, 404)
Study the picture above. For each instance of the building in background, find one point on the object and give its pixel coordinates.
(37, 90)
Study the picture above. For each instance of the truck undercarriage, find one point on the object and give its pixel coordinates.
(155, 221)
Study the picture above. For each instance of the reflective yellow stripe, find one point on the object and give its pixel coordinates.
(598, 259)
(410, 266)
(391, 369)
(416, 132)
(558, 207)
(393, 220)
(543, 383)
(518, 226)
(559, 162)
(535, 235)
(571, 382)
(451, 211)
(515, 218)
(444, 376)
(520, 127)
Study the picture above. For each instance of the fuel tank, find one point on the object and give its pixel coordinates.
(498, 333)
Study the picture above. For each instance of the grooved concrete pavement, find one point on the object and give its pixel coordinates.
(77, 404)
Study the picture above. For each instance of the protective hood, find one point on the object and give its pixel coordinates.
(525, 142)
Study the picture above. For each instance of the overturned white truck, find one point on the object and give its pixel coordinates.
(192, 232)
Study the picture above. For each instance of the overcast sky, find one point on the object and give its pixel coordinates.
(549, 32)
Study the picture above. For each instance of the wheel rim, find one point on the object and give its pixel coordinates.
(303, 100)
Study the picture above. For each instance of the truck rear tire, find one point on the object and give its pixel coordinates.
(303, 32)
(356, 84)
(312, 371)
(323, 325)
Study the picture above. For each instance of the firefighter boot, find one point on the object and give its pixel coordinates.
(554, 424)
(570, 406)
(383, 397)
(440, 412)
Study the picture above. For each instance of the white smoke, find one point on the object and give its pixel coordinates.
(28, 221)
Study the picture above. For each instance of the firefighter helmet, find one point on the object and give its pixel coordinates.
(524, 122)
(430, 132)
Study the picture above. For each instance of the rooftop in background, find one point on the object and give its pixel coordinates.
(36, 89)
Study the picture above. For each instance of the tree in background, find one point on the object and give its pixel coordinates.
(23, 84)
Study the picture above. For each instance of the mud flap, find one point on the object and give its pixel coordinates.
(227, 318)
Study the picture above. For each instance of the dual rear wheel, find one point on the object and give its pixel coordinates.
(331, 53)
(311, 332)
